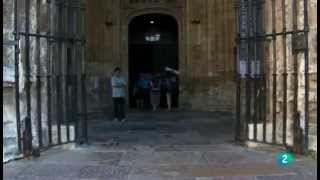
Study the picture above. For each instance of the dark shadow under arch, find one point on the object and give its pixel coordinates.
(147, 56)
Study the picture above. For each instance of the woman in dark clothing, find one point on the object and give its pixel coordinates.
(155, 92)
(138, 94)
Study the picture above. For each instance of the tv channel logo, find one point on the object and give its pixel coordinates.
(285, 159)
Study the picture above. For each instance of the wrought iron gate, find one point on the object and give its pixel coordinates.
(266, 47)
(49, 42)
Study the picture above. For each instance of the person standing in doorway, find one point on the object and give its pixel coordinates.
(171, 83)
(118, 84)
(138, 94)
(145, 88)
(155, 92)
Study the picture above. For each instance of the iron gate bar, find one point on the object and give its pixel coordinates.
(295, 73)
(68, 75)
(237, 74)
(73, 78)
(58, 76)
(254, 20)
(248, 74)
(284, 74)
(263, 104)
(52, 37)
(238, 94)
(70, 4)
(263, 36)
(64, 74)
(10, 43)
(28, 128)
(76, 84)
(83, 47)
(263, 84)
(38, 84)
(306, 75)
(84, 108)
(16, 73)
(49, 75)
(67, 107)
(75, 108)
(58, 110)
(274, 104)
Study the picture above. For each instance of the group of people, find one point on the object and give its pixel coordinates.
(147, 90)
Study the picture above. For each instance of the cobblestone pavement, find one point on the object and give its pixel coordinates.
(160, 146)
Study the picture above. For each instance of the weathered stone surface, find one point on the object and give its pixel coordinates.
(53, 170)
(102, 172)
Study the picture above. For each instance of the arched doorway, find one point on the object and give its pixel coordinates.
(153, 45)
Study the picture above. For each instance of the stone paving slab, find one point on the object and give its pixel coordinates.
(53, 170)
(105, 172)
(85, 158)
(210, 171)
(161, 158)
(202, 148)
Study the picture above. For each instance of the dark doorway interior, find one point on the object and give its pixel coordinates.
(153, 45)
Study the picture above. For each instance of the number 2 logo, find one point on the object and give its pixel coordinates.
(285, 159)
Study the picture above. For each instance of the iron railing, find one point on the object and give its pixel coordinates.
(250, 47)
(62, 111)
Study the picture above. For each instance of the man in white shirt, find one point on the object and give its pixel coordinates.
(118, 84)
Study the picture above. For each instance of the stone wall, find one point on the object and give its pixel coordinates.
(210, 60)
(206, 46)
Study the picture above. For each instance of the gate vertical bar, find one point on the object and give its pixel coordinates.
(75, 79)
(296, 122)
(75, 108)
(28, 125)
(255, 73)
(84, 108)
(263, 94)
(83, 46)
(67, 96)
(67, 76)
(285, 74)
(237, 71)
(263, 74)
(59, 72)
(248, 72)
(49, 75)
(306, 75)
(238, 100)
(274, 91)
(38, 75)
(16, 70)
(262, 78)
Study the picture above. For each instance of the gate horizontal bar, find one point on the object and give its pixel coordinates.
(71, 5)
(51, 37)
(271, 35)
(10, 43)
(269, 143)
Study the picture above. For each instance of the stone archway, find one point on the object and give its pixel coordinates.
(130, 14)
